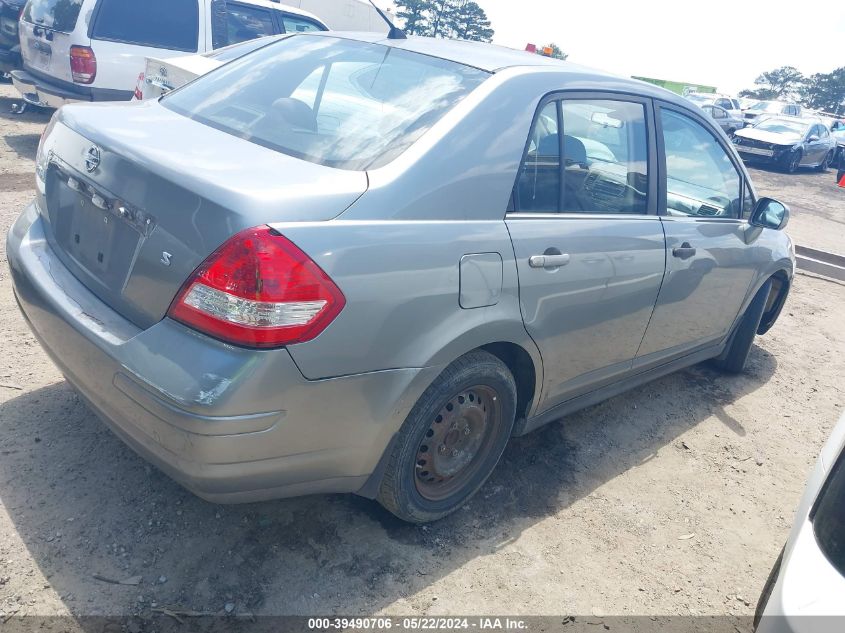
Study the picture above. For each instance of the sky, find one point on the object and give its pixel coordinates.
(695, 42)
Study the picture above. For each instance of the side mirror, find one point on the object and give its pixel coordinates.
(770, 214)
(813, 139)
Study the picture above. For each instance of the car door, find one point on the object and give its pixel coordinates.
(815, 146)
(720, 115)
(704, 198)
(589, 246)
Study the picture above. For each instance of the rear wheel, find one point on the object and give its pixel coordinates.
(735, 356)
(826, 162)
(451, 440)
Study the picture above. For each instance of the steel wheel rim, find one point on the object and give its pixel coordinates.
(454, 446)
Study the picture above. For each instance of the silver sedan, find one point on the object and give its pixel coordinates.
(347, 263)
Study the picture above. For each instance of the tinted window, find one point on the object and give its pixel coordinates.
(60, 15)
(168, 24)
(298, 24)
(248, 23)
(829, 517)
(700, 177)
(377, 100)
(538, 186)
(723, 103)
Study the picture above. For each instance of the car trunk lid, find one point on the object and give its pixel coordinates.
(46, 36)
(136, 197)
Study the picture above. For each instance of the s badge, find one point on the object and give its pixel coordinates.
(165, 258)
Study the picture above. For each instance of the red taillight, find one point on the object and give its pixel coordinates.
(139, 89)
(259, 290)
(83, 64)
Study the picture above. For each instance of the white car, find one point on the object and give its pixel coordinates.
(93, 50)
(763, 110)
(723, 101)
(805, 592)
(160, 75)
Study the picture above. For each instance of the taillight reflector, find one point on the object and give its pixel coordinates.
(83, 64)
(259, 290)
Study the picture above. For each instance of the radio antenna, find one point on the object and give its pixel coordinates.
(395, 32)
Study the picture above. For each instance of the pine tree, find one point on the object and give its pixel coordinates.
(415, 13)
(468, 21)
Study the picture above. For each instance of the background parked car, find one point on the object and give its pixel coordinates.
(10, 45)
(839, 157)
(787, 142)
(762, 110)
(729, 120)
(246, 21)
(805, 589)
(730, 104)
(66, 59)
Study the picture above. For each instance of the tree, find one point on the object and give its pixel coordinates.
(781, 82)
(825, 91)
(466, 20)
(460, 19)
(556, 52)
(415, 14)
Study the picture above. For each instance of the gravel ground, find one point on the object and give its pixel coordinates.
(672, 499)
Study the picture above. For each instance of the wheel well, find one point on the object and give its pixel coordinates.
(774, 304)
(524, 373)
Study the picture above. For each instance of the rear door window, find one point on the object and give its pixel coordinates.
(245, 22)
(299, 24)
(165, 24)
(538, 187)
(605, 159)
(59, 15)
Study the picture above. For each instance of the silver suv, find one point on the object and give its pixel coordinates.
(356, 264)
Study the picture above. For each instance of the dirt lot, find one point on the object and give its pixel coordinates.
(672, 499)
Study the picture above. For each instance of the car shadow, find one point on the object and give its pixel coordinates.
(83, 504)
(24, 145)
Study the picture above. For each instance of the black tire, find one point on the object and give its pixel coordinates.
(826, 162)
(405, 489)
(793, 161)
(734, 357)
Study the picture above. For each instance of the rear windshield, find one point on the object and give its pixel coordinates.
(166, 24)
(59, 15)
(829, 517)
(341, 103)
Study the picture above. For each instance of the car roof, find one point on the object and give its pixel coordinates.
(493, 58)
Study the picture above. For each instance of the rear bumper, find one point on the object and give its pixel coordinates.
(231, 425)
(47, 94)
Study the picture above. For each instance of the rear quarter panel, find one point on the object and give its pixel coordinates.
(401, 281)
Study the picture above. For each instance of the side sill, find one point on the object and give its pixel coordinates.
(619, 387)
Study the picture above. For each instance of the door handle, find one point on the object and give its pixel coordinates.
(548, 261)
(685, 251)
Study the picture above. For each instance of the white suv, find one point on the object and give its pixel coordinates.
(93, 50)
